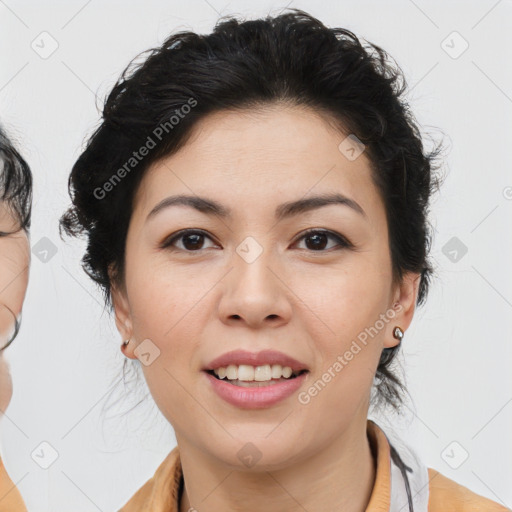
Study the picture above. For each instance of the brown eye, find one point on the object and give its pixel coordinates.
(318, 239)
(192, 240)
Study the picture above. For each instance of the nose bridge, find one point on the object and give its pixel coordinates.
(252, 261)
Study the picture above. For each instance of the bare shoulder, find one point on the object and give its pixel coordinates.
(448, 496)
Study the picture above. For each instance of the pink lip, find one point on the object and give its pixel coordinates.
(257, 397)
(271, 357)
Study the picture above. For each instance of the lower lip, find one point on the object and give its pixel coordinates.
(257, 397)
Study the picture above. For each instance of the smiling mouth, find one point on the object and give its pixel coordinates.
(253, 383)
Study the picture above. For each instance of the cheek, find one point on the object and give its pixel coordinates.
(5, 384)
(14, 271)
(343, 321)
(166, 306)
(166, 309)
(160, 294)
(338, 305)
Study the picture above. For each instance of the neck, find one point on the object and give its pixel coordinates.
(339, 477)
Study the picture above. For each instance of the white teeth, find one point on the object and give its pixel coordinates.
(232, 372)
(263, 373)
(277, 371)
(287, 372)
(245, 372)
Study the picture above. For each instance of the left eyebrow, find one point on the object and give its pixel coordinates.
(285, 210)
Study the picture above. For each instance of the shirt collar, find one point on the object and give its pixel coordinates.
(10, 497)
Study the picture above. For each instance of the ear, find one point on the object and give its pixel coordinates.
(404, 305)
(122, 315)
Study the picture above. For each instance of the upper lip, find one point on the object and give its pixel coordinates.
(238, 357)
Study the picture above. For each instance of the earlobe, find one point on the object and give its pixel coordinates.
(128, 349)
(404, 306)
(123, 323)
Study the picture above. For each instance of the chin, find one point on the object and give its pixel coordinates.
(257, 453)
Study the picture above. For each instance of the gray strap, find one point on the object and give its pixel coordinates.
(409, 478)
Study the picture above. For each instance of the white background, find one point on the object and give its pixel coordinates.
(458, 351)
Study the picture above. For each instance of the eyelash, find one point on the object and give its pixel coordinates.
(342, 241)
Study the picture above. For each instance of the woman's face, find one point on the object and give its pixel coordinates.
(14, 272)
(254, 282)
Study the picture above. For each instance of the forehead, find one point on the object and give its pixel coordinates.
(253, 158)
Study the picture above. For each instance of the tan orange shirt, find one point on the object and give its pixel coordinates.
(162, 492)
(10, 497)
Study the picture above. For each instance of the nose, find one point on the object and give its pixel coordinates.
(255, 293)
